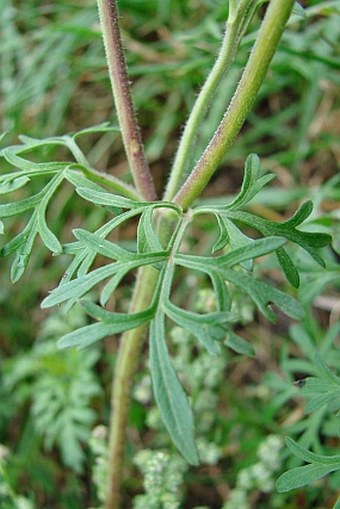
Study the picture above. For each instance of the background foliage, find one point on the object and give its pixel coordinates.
(55, 81)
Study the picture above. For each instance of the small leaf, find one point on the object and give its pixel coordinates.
(301, 476)
(288, 267)
(256, 248)
(221, 291)
(111, 286)
(251, 250)
(325, 371)
(147, 239)
(12, 184)
(119, 322)
(14, 208)
(78, 287)
(223, 238)
(251, 184)
(108, 199)
(309, 241)
(78, 180)
(100, 128)
(169, 394)
(104, 247)
(208, 328)
(237, 239)
(47, 236)
(10, 154)
(298, 10)
(13, 245)
(238, 344)
(99, 313)
(23, 251)
(324, 399)
(263, 295)
(305, 455)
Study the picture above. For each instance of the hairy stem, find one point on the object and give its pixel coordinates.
(263, 51)
(129, 349)
(238, 19)
(133, 145)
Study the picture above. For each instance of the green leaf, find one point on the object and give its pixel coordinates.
(308, 456)
(263, 295)
(307, 240)
(99, 313)
(249, 251)
(13, 245)
(147, 240)
(332, 396)
(12, 184)
(107, 199)
(104, 247)
(100, 128)
(237, 239)
(288, 267)
(111, 286)
(113, 323)
(169, 394)
(324, 389)
(251, 184)
(24, 249)
(10, 154)
(223, 238)
(238, 344)
(78, 287)
(325, 371)
(301, 476)
(78, 180)
(298, 10)
(256, 248)
(14, 208)
(208, 328)
(221, 291)
(47, 236)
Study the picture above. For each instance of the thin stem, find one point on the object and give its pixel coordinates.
(130, 346)
(108, 14)
(263, 51)
(238, 20)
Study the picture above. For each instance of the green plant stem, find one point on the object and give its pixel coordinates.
(133, 145)
(238, 20)
(263, 51)
(129, 349)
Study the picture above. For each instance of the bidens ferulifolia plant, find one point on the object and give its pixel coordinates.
(162, 228)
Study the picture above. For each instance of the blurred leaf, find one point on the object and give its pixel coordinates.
(301, 476)
(238, 344)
